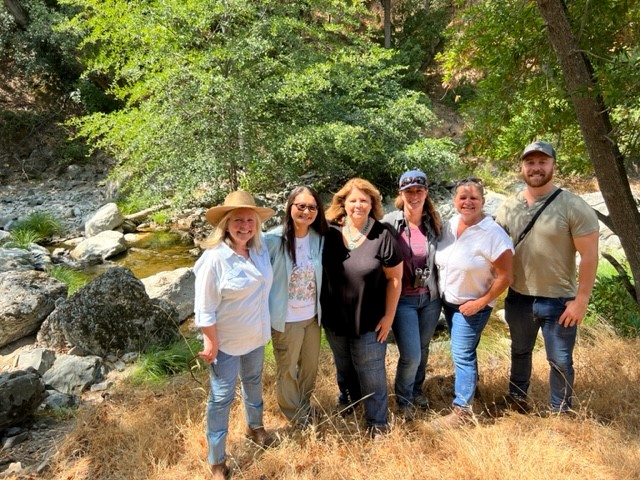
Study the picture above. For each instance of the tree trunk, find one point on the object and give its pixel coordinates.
(18, 13)
(593, 117)
(386, 7)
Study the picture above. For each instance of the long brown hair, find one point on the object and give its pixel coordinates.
(429, 208)
(336, 211)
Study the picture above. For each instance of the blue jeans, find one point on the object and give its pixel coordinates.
(415, 322)
(465, 337)
(526, 315)
(361, 373)
(223, 376)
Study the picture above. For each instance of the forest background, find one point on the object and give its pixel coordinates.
(189, 99)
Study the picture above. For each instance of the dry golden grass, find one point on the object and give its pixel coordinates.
(157, 433)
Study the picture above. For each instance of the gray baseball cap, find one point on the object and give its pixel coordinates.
(539, 146)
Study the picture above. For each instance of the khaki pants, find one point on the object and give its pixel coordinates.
(296, 351)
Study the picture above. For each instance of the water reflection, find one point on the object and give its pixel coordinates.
(149, 254)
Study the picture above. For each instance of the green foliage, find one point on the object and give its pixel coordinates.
(161, 217)
(519, 89)
(218, 96)
(39, 52)
(611, 303)
(23, 238)
(42, 224)
(73, 279)
(159, 363)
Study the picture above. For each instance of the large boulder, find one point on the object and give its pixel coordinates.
(108, 217)
(112, 314)
(96, 249)
(21, 392)
(26, 299)
(176, 286)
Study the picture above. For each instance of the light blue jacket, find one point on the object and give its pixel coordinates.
(282, 268)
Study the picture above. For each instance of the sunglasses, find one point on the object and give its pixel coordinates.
(470, 181)
(413, 181)
(303, 206)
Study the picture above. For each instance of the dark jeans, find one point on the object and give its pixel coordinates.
(526, 315)
(361, 373)
(414, 324)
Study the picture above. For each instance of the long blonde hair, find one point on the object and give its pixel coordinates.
(220, 232)
(336, 211)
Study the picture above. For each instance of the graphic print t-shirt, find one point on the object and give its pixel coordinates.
(302, 284)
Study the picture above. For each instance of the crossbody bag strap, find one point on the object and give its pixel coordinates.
(535, 217)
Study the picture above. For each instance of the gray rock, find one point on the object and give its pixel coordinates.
(73, 375)
(100, 247)
(57, 400)
(20, 394)
(175, 286)
(15, 259)
(112, 314)
(10, 442)
(26, 299)
(40, 359)
(106, 218)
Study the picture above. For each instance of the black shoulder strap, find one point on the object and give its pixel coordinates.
(535, 217)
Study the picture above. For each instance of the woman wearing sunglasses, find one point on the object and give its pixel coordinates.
(416, 225)
(295, 250)
(474, 258)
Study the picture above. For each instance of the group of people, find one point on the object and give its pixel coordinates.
(360, 274)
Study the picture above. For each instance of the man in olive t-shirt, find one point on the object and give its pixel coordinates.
(544, 293)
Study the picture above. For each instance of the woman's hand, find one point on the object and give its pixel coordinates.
(383, 328)
(471, 307)
(210, 350)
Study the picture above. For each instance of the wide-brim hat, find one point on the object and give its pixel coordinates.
(233, 201)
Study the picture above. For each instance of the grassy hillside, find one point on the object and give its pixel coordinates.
(157, 432)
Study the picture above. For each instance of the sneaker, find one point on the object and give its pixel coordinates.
(219, 471)
(457, 418)
(407, 412)
(421, 402)
(260, 437)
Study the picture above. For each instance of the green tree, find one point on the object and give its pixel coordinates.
(225, 94)
(567, 72)
(501, 49)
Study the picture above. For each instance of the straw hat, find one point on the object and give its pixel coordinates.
(237, 199)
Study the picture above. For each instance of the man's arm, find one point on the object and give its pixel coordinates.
(587, 247)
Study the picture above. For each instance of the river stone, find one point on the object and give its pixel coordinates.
(112, 314)
(104, 245)
(21, 392)
(26, 299)
(108, 217)
(40, 359)
(176, 286)
(73, 375)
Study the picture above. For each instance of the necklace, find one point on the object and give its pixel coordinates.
(352, 241)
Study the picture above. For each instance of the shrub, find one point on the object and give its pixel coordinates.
(159, 363)
(611, 303)
(23, 238)
(42, 224)
(73, 279)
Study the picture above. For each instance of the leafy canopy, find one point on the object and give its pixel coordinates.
(220, 95)
(501, 48)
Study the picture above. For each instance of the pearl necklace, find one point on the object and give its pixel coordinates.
(352, 241)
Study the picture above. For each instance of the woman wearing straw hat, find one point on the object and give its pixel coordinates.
(233, 278)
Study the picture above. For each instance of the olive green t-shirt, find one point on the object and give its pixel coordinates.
(544, 264)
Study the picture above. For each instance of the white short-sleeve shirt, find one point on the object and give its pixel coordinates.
(465, 270)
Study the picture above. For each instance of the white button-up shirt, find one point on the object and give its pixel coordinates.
(233, 293)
